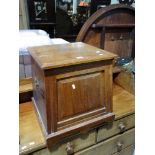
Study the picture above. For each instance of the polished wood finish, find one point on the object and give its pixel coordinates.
(123, 107)
(26, 91)
(66, 125)
(63, 55)
(72, 85)
(111, 28)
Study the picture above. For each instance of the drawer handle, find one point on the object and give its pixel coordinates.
(119, 146)
(69, 149)
(122, 127)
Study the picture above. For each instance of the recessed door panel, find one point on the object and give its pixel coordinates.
(80, 94)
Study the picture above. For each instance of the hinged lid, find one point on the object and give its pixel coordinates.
(54, 56)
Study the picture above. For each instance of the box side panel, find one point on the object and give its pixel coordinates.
(39, 91)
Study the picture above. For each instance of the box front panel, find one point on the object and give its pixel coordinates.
(81, 97)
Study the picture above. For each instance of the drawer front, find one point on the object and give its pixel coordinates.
(115, 127)
(75, 144)
(112, 145)
(127, 151)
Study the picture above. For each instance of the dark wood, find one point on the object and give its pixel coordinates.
(72, 85)
(133, 45)
(102, 38)
(113, 25)
(25, 90)
(25, 96)
(80, 128)
(118, 22)
(39, 91)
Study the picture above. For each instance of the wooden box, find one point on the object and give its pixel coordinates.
(72, 88)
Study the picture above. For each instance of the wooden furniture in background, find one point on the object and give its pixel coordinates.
(111, 138)
(72, 88)
(112, 29)
(118, 19)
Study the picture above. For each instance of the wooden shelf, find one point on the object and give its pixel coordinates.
(25, 85)
(43, 23)
(113, 25)
(25, 90)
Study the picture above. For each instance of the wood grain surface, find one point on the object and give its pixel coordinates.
(123, 102)
(30, 131)
(54, 56)
(31, 136)
(25, 85)
(71, 99)
(111, 28)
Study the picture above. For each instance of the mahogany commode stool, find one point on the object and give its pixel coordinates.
(72, 88)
